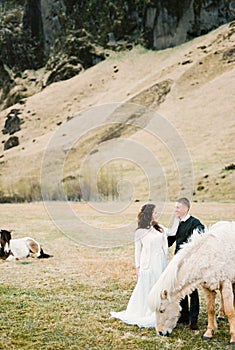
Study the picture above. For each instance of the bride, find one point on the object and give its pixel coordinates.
(151, 253)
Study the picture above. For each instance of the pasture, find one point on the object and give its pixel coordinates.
(64, 302)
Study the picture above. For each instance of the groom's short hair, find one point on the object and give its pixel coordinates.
(184, 201)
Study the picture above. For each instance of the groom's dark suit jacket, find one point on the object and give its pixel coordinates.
(184, 231)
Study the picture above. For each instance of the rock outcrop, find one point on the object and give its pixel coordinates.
(12, 123)
(62, 37)
(168, 24)
(13, 141)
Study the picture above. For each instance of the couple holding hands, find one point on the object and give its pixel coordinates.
(151, 253)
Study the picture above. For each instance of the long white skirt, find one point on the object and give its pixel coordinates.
(137, 311)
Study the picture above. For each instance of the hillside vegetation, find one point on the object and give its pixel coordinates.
(114, 105)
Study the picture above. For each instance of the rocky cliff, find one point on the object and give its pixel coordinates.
(169, 23)
(44, 41)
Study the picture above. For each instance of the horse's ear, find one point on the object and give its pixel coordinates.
(164, 294)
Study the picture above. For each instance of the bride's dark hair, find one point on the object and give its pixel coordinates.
(145, 217)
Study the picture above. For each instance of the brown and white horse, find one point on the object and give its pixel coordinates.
(12, 249)
(207, 261)
(5, 237)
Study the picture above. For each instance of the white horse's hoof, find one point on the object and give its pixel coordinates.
(207, 339)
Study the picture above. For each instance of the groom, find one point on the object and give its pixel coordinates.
(187, 224)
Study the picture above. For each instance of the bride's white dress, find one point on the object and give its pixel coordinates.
(151, 252)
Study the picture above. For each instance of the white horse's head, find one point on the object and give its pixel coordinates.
(167, 314)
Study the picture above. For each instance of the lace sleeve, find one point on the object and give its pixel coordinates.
(138, 245)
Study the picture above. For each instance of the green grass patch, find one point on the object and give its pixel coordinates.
(76, 316)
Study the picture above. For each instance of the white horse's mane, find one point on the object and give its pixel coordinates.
(206, 243)
(169, 276)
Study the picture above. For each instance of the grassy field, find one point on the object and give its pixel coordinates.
(64, 302)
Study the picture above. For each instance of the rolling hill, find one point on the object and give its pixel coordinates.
(140, 125)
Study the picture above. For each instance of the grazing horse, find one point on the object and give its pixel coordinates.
(18, 248)
(207, 260)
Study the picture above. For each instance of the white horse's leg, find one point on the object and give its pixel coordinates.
(228, 298)
(234, 295)
(212, 324)
(10, 258)
(221, 314)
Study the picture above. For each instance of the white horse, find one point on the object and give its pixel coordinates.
(208, 260)
(13, 249)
